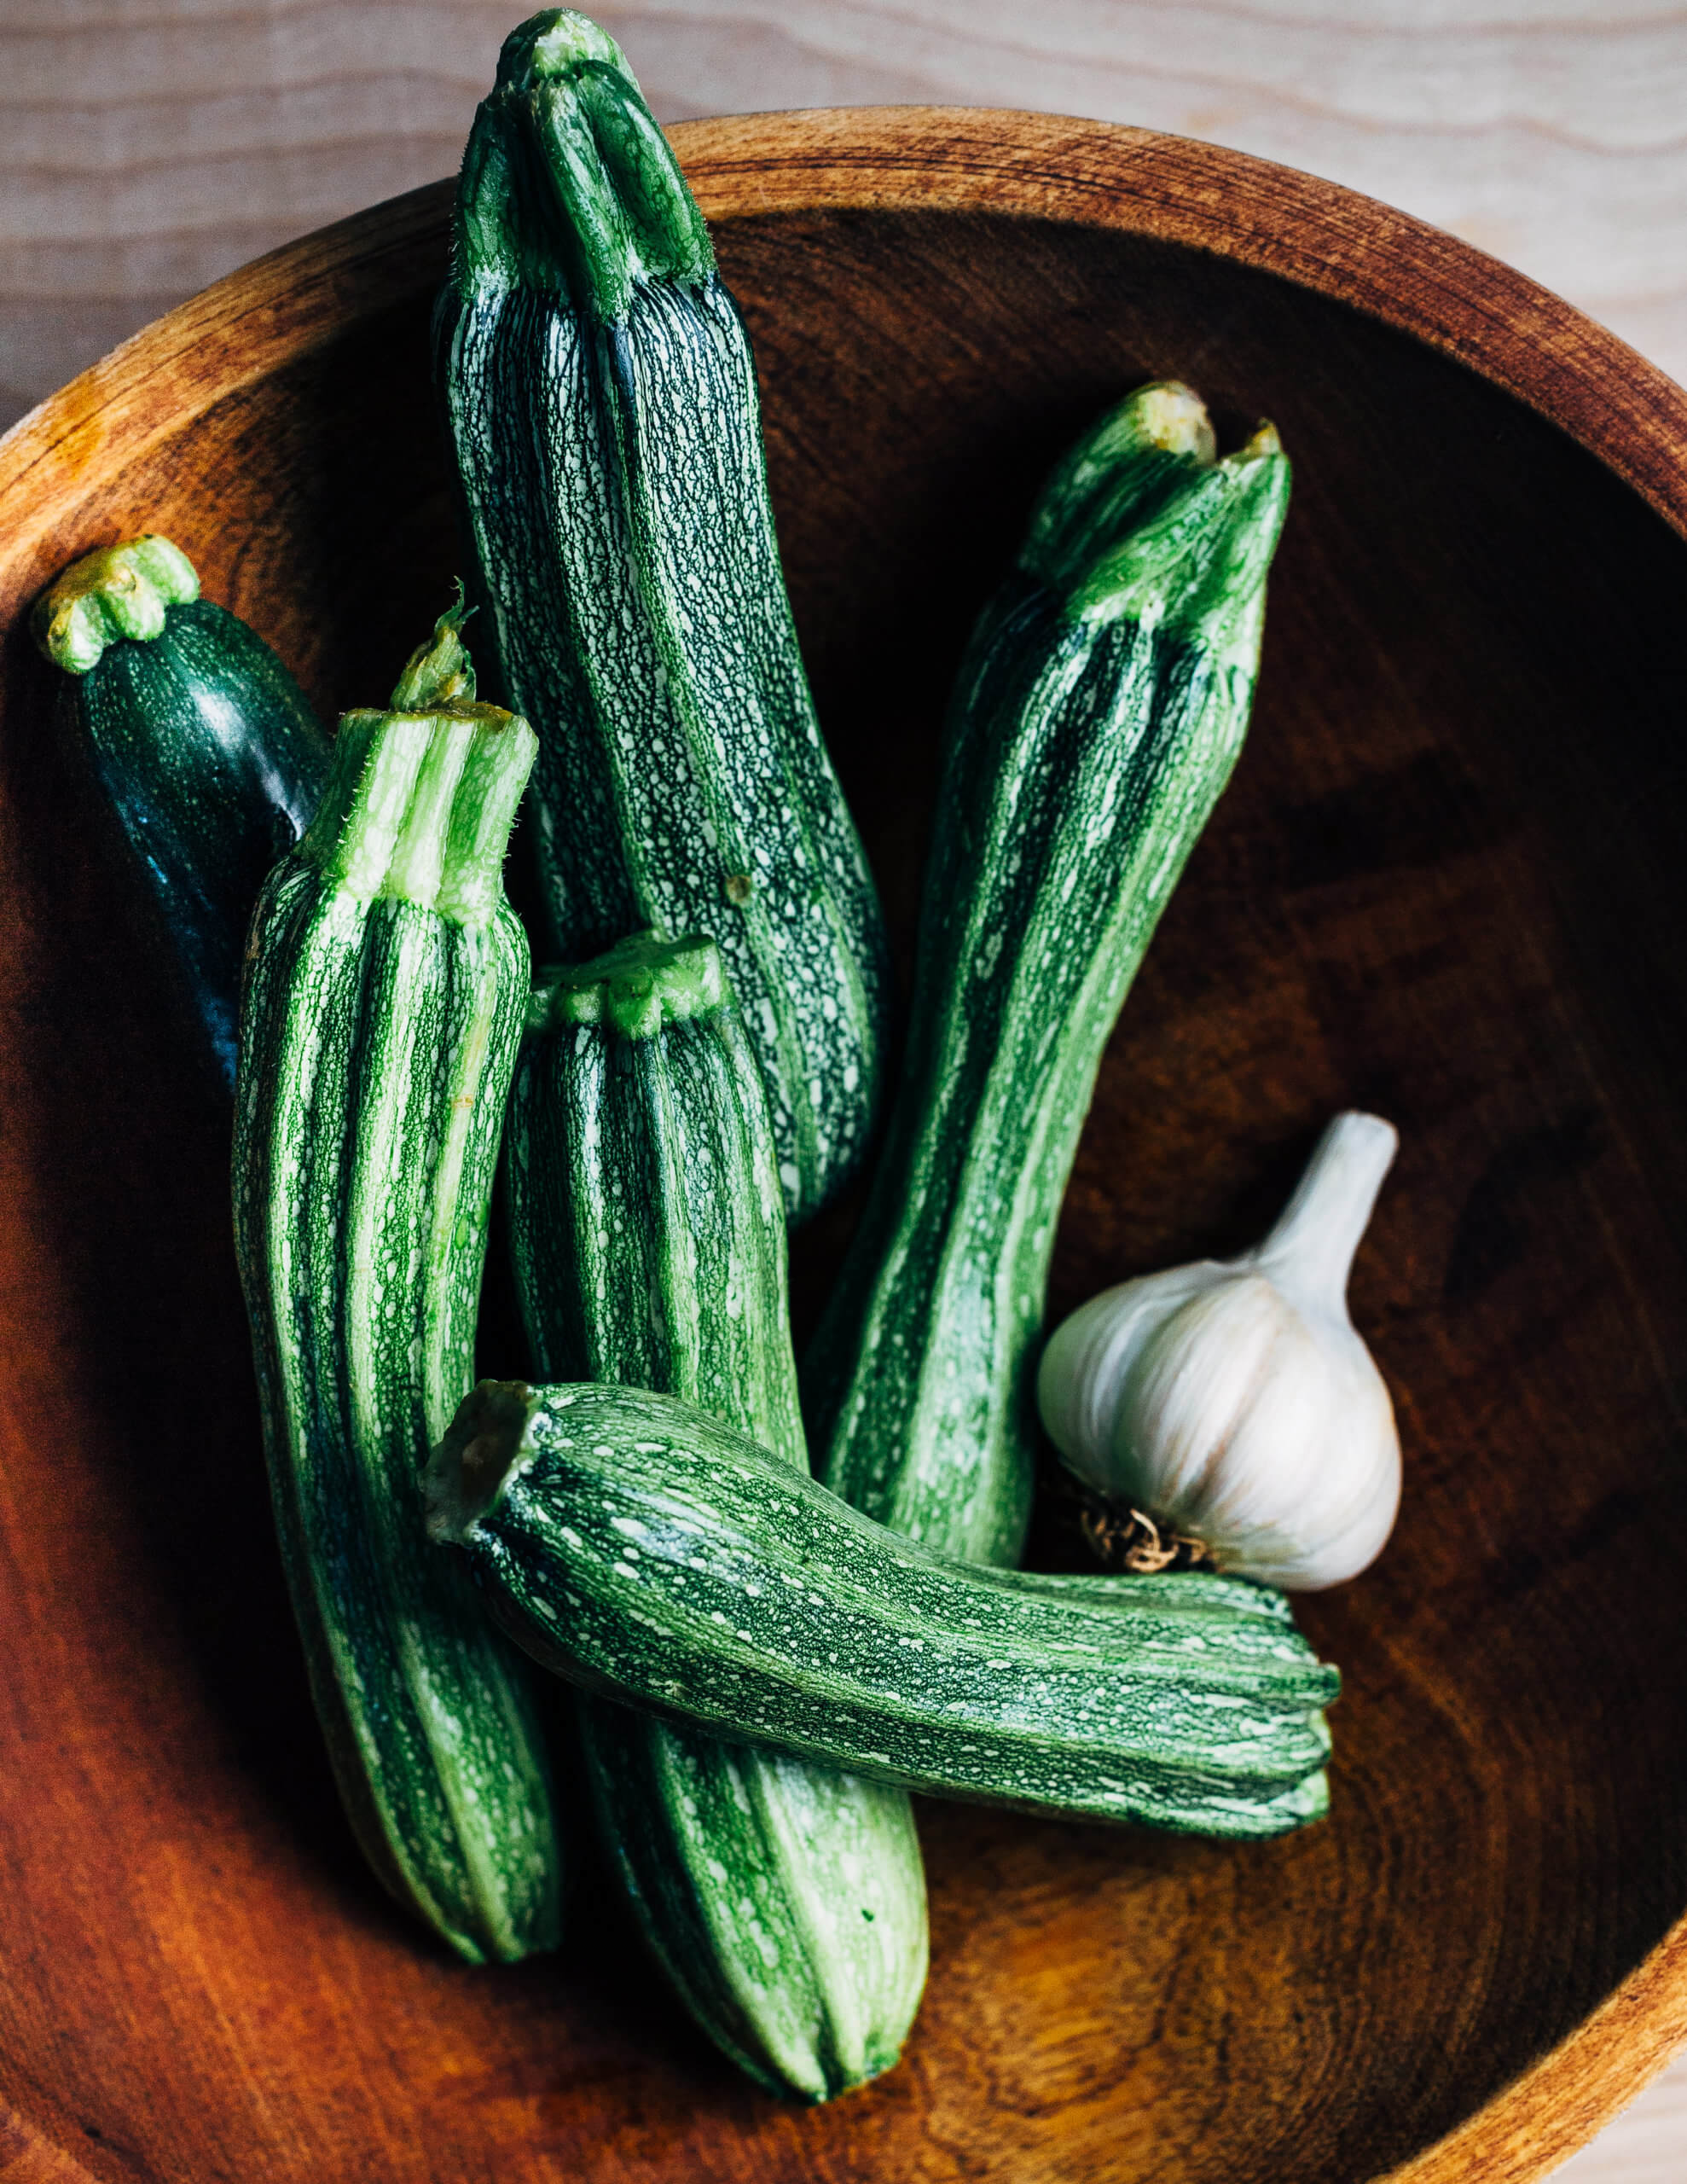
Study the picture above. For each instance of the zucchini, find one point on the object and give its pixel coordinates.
(1096, 718)
(602, 402)
(206, 746)
(651, 1554)
(383, 1006)
(646, 1220)
(786, 1902)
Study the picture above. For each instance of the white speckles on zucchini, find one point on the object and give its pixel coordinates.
(603, 405)
(1087, 1698)
(786, 1901)
(1096, 719)
(377, 1039)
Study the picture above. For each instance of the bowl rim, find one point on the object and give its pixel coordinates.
(1316, 234)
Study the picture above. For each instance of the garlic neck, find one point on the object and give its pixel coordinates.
(1309, 1253)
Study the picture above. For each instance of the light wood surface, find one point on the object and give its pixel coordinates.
(1431, 889)
(146, 150)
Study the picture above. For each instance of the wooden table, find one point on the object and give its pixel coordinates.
(145, 152)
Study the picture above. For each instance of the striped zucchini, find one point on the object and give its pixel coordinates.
(786, 1901)
(653, 1554)
(603, 407)
(646, 1220)
(206, 746)
(1097, 717)
(386, 981)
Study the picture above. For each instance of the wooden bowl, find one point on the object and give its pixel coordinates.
(1447, 884)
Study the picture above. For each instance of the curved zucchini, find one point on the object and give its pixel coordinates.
(208, 749)
(603, 407)
(650, 1553)
(1097, 717)
(383, 1006)
(786, 1902)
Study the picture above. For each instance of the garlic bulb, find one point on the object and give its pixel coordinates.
(1232, 1401)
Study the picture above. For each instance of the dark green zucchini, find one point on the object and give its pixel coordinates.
(653, 1554)
(208, 749)
(646, 1219)
(603, 409)
(786, 1901)
(383, 1006)
(1096, 718)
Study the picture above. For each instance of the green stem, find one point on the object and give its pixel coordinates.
(1224, 608)
(439, 671)
(634, 988)
(420, 806)
(1157, 440)
(501, 756)
(1196, 568)
(568, 184)
(116, 591)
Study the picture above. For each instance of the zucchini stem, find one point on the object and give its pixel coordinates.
(634, 988)
(116, 591)
(568, 183)
(1141, 454)
(420, 806)
(439, 671)
(467, 1473)
(1197, 564)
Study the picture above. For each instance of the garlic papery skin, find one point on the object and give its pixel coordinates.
(1232, 1400)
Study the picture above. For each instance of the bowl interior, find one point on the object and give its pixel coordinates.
(1445, 885)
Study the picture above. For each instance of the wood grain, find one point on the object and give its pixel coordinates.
(1446, 883)
(148, 150)
(1547, 132)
